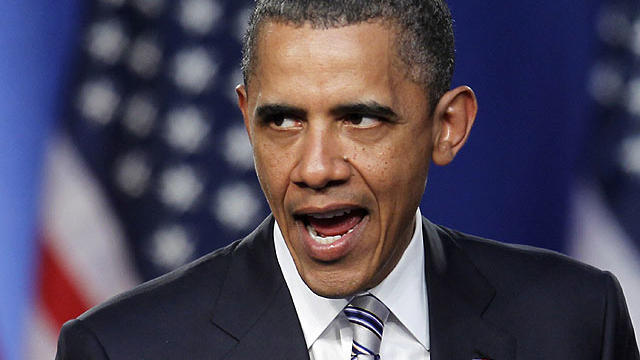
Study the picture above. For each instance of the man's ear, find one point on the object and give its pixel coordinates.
(243, 104)
(453, 118)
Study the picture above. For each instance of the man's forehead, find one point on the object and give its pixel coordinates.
(284, 43)
(359, 53)
(317, 70)
(328, 40)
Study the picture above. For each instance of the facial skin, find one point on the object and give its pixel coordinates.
(336, 125)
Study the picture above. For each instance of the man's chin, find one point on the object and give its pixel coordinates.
(335, 293)
(334, 288)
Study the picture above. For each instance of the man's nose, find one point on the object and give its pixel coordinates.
(321, 162)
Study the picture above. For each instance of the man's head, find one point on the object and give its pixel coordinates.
(343, 136)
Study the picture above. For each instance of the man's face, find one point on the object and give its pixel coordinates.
(342, 142)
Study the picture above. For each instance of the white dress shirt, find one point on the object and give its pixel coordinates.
(326, 329)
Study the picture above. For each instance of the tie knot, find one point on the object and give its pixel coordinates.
(367, 315)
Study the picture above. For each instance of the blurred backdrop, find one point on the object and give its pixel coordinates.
(122, 155)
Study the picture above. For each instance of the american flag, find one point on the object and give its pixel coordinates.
(606, 226)
(150, 167)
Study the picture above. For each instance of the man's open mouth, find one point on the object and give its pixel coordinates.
(329, 227)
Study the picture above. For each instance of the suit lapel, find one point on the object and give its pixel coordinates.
(458, 297)
(255, 307)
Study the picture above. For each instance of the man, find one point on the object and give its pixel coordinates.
(346, 104)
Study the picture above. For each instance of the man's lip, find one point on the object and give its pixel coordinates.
(309, 210)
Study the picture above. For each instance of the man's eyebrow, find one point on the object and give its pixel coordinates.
(268, 110)
(364, 108)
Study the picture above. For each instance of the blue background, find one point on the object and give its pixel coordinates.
(527, 61)
(36, 42)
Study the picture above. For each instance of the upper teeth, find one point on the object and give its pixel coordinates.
(330, 214)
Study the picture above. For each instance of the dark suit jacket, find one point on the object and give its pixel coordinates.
(486, 300)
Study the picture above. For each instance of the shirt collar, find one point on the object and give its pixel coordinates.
(314, 312)
(403, 291)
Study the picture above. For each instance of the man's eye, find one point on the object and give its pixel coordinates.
(284, 122)
(362, 121)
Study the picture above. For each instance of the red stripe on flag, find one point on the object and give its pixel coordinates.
(61, 299)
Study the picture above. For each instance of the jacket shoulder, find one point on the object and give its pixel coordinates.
(504, 260)
(183, 284)
(171, 317)
(159, 318)
(539, 291)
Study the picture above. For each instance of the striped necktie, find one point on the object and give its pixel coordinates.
(367, 315)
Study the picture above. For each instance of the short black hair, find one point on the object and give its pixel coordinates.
(424, 28)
